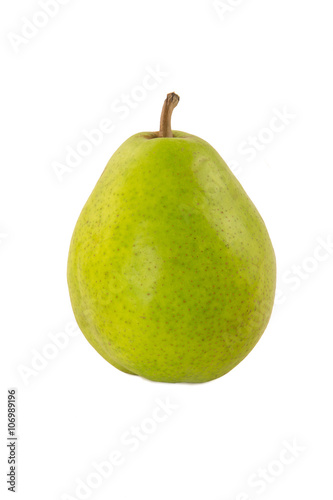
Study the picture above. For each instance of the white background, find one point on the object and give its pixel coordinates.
(234, 68)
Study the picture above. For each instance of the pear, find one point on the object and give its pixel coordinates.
(171, 271)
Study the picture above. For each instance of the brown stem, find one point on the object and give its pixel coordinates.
(169, 105)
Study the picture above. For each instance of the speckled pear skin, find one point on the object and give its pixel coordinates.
(171, 271)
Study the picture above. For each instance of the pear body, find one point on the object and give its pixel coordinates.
(171, 270)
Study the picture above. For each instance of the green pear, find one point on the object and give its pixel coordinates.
(171, 271)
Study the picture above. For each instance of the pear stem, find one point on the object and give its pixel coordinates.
(169, 105)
